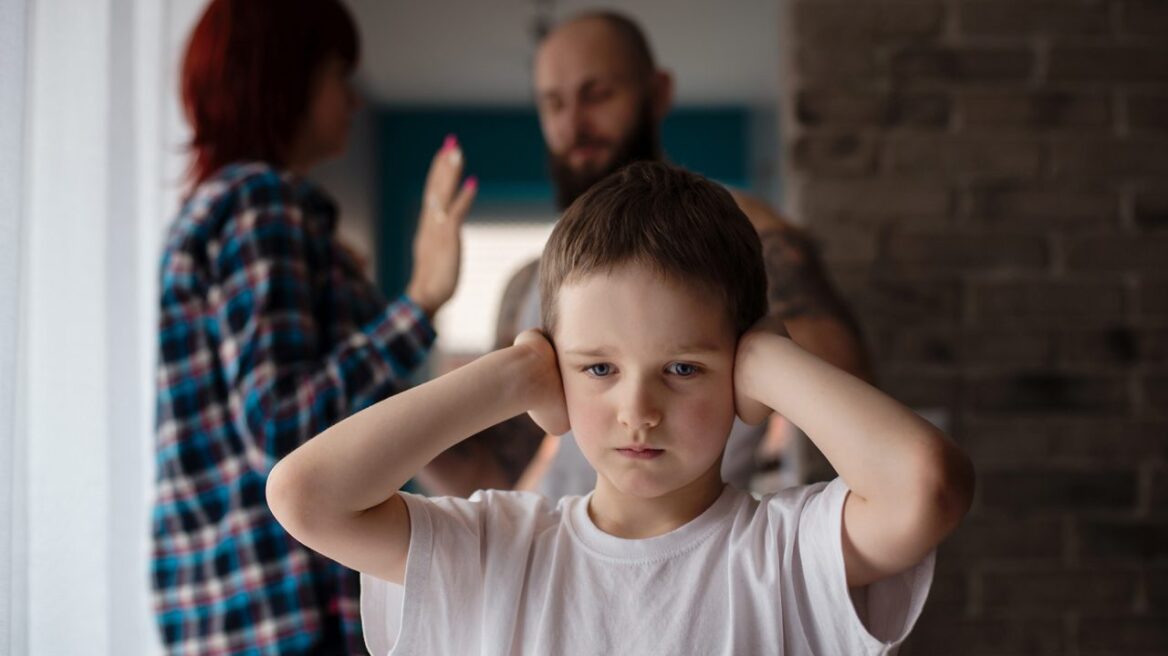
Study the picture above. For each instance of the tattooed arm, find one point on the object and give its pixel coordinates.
(801, 295)
(496, 457)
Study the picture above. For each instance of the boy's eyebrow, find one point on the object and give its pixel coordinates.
(601, 351)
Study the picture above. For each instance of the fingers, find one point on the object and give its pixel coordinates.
(442, 180)
(461, 205)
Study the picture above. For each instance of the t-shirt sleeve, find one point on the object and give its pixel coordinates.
(463, 545)
(874, 619)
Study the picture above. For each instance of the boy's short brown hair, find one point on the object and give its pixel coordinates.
(654, 214)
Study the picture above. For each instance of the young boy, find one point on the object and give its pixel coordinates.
(651, 283)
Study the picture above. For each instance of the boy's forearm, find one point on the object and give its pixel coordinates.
(363, 460)
(880, 448)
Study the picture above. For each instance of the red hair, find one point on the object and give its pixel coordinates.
(248, 74)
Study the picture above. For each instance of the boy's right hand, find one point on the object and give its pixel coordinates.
(545, 391)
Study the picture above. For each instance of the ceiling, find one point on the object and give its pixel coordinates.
(459, 52)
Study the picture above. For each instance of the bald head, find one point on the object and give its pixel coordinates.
(612, 29)
(600, 98)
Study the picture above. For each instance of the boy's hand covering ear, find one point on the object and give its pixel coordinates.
(748, 409)
(546, 404)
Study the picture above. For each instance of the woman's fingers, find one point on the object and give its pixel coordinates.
(462, 202)
(442, 180)
(437, 243)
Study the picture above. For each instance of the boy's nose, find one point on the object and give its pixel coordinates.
(639, 411)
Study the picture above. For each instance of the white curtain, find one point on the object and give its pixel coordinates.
(89, 165)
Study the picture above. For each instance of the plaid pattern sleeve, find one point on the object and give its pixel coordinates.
(268, 334)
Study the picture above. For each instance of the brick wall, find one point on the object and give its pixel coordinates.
(989, 182)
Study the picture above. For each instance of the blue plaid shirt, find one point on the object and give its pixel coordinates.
(268, 334)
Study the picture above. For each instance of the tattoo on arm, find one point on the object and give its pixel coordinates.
(797, 284)
(511, 444)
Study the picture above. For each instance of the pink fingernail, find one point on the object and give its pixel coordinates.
(472, 182)
(451, 142)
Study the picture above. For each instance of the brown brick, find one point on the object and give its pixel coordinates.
(1052, 303)
(844, 61)
(1158, 489)
(1063, 441)
(955, 636)
(1145, 18)
(1014, 18)
(940, 155)
(920, 389)
(1017, 205)
(971, 64)
(1056, 490)
(1123, 540)
(826, 107)
(834, 21)
(1153, 299)
(1004, 539)
(952, 251)
(1150, 209)
(1156, 580)
(818, 107)
(1001, 201)
(1119, 252)
(1108, 63)
(927, 344)
(891, 299)
(1147, 111)
(1016, 347)
(1049, 109)
(920, 109)
(836, 154)
(1129, 636)
(846, 244)
(876, 200)
(1116, 345)
(1155, 393)
(1108, 159)
(1044, 392)
(1049, 591)
(950, 591)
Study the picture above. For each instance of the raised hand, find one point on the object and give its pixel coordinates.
(438, 241)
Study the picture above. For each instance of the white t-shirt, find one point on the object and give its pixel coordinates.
(504, 573)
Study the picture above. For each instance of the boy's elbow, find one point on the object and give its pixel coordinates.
(946, 485)
(283, 497)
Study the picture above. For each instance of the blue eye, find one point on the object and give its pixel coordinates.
(600, 370)
(683, 369)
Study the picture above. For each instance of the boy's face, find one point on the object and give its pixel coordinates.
(647, 365)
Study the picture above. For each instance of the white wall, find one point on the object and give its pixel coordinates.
(88, 202)
(475, 52)
(13, 484)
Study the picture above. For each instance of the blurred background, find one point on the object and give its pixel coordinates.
(986, 179)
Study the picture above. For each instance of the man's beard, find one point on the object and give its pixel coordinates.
(643, 143)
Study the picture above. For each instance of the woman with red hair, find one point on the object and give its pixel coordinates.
(269, 332)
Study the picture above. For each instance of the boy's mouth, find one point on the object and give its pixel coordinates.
(640, 452)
